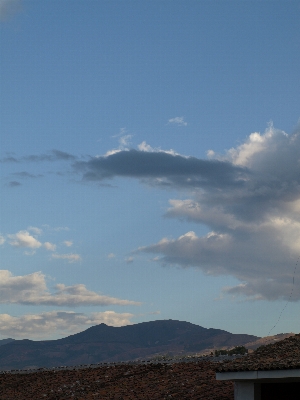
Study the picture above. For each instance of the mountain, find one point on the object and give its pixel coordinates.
(102, 343)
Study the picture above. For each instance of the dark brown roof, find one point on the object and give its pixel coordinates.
(189, 381)
(281, 355)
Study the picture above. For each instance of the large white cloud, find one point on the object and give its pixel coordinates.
(31, 289)
(254, 227)
(60, 323)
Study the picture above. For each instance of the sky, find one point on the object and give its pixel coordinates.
(149, 165)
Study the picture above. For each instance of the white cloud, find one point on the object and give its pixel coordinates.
(49, 246)
(111, 255)
(62, 323)
(155, 312)
(111, 152)
(71, 257)
(29, 253)
(2, 239)
(32, 290)
(144, 146)
(24, 239)
(124, 141)
(129, 260)
(68, 243)
(61, 228)
(122, 132)
(178, 121)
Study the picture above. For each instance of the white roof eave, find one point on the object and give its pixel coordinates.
(254, 375)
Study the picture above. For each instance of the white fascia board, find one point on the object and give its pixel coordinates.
(234, 376)
(254, 375)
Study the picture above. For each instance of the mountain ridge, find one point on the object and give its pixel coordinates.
(103, 343)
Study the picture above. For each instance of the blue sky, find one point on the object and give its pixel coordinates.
(149, 165)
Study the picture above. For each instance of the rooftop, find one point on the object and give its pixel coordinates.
(191, 381)
(284, 354)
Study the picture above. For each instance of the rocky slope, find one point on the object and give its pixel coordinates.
(267, 340)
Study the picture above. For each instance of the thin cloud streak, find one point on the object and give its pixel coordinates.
(13, 184)
(70, 257)
(52, 156)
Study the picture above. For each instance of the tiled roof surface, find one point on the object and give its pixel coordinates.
(192, 381)
(281, 355)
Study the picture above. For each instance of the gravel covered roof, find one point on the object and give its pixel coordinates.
(281, 355)
(190, 381)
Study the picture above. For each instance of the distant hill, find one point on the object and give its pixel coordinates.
(267, 340)
(5, 341)
(102, 343)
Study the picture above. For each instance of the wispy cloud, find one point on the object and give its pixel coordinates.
(8, 8)
(58, 323)
(68, 243)
(51, 156)
(124, 141)
(144, 146)
(49, 246)
(25, 175)
(178, 121)
(9, 159)
(32, 290)
(13, 184)
(35, 230)
(71, 257)
(54, 155)
(60, 228)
